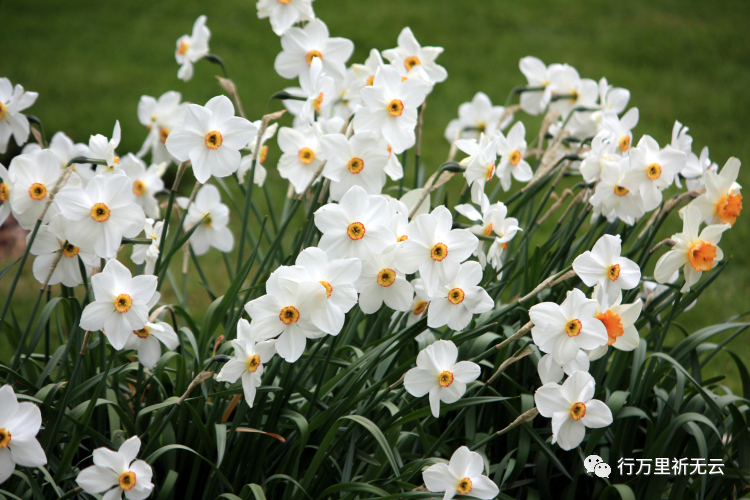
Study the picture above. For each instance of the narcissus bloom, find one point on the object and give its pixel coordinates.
(475, 118)
(612, 199)
(121, 303)
(409, 54)
(301, 45)
(391, 108)
(147, 341)
(12, 121)
(620, 129)
(190, 49)
(570, 89)
(213, 217)
(357, 161)
(461, 476)
(102, 213)
(211, 138)
(146, 182)
(249, 358)
(551, 371)
(571, 409)
(599, 157)
(537, 73)
(562, 330)
(480, 164)
(65, 150)
(101, 148)
(19, 425)
(438, 374)
(512, 149)
(380, 282)
(160, 116)
(434, 249)
(67, 271)
(492, 221)
(148, 253)
(285, 13)
(722, 201)
(652, 170)
(693, 252)
(619, 320)
(604, 265)
(319, 89)
(118, 472)
(4, 194)
(247, 161)
(302, 155)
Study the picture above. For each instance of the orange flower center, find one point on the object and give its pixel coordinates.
(514, 158)
(728, 208)
(183, 48)
(163, 134)
(37, 191)
(701, 255)
(625, 143)
(318, 101)
(285, 2)
(439, 251)
(445, 378)
(356, 230)
(621, 191)
(370, 80)
(577, 411)
(464, 486)
(139, 187)
(2, 111)
(419, 307)
(356, 165)
(306, 155)
(123, 303)
(410, 62)
(143, 333)
(573, 328)
(253, 363)
(395, 107)
(214, 139)
(653, 171)
(263, 153)
(313, 53)
(613, 324)
(289, 315)
(328, 287)
(456, 296)
(613, 272)
(488, 229)
(127, 480)
(4, 191)
(70, 250)
(100, 212)
(401, 238)
(386, 277)
(4, 438)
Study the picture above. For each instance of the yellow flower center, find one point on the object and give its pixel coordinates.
(263, 153)
(214, 139)
(100, 212)
(318, 101)
(163, 134)
(306, 155)
(37, 191)
(328, 287)
(464, 486)
(2, 111)
(313, 53)
(143, 333)
(356, 165)
(613, 272)
(4, 191)
(356, 230)
(613, 323)
(4, 433)
(577, 411)
(445, 378)
(123, 303)
(289, 315)
(127, 480)
(653, 171)
(386, 277)
(573, 328)
(410, 62)
(253, 363)
(701, 255)
(481, 126)
(285, 2)
(370, 80)
(401, 238)
(439, 251)
(139, 187)
(207, 220)
(488, 229)
(419, 307)
(489, 171)
(183, 48)
(456, 296)
(514, 158)
(624, 143)
(621, 191)
(395, 107)
(70, 250)
(728, 208)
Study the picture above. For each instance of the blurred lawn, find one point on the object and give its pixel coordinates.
(687, 60)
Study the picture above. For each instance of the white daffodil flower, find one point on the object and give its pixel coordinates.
(612, 199)
(301, 45)
(434, 249)
(4, 194)
(147, 342)
(693, 252)
(480, 164)
(604, 265)
(146, 182)
(319, 89)
(418, 308)
(391, 108)
(562, 330)
(619, 320)
(381, 281)
(211, 138)
(399, 214)
(160, 116)
(492, 220)
(652, 170)
(550, 371)
(248, 360)
(571, 409)
(572, 90)
(32, 178)
(461, 476)
(65, 150)
(620, 129)
(118, 473)
(357, 226)
(103, 213)
(213, 217)
(247, 161)
(512, 149)
(148, 253)
(393, 168)
(301, 155)
(364, 74)
(706, 165)
(410, 54)
(192, 48)
(722, 201)
(438, 375)
(283, 15)
(476, 118)
(67, 271)
(601, 156)
(19, 425)
(287, 311)
(101, 148)
(12, 121)
(612, 99)
(538, 75)
(682, 141)
(357, 161)
(121, 303)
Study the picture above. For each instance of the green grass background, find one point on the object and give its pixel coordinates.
(687, 60)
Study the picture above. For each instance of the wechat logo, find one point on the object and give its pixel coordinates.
(595, 465)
